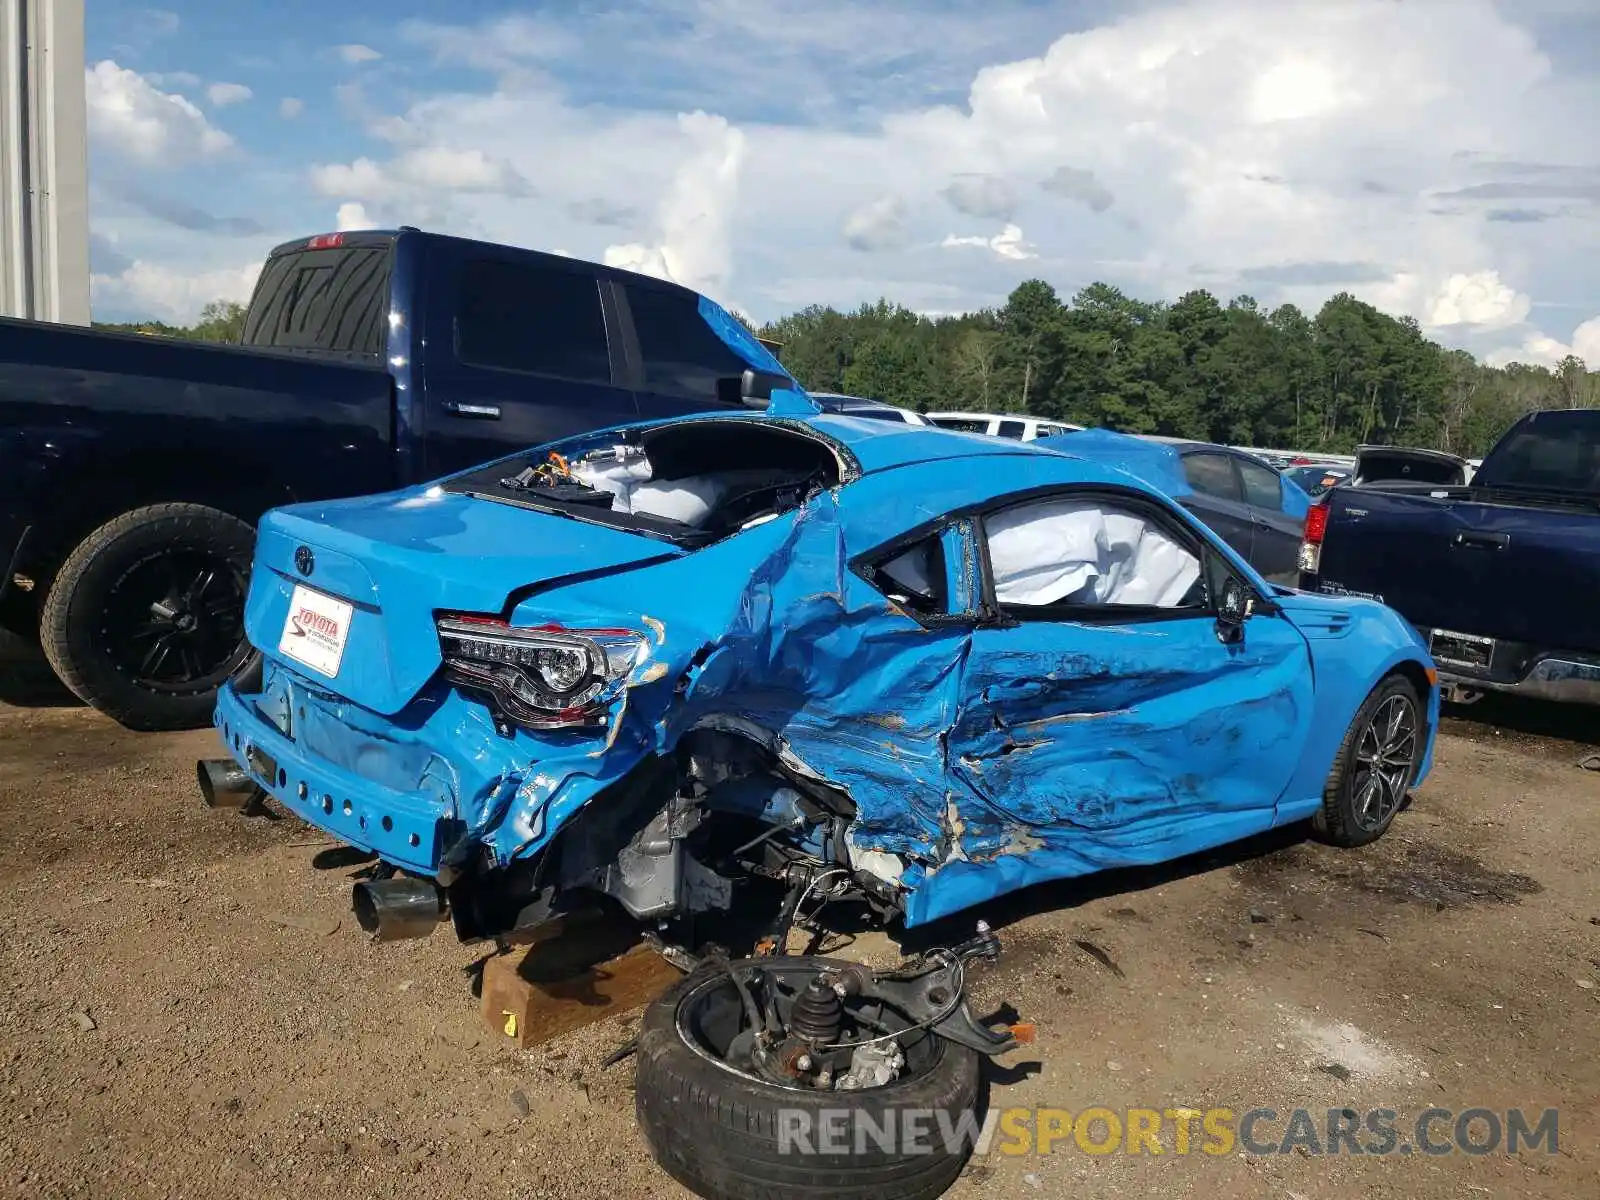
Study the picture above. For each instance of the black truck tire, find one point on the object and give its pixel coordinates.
(185, 565)
(717, 1131)
(1342, 820)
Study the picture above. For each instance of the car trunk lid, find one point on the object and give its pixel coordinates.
(346, 593)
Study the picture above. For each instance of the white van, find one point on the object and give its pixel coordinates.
(1018, 428)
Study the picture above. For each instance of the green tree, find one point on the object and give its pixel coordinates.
(220, 321)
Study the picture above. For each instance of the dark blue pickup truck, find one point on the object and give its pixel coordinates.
(1500, 576)
(132, 468)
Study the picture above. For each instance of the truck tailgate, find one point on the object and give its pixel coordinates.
(1526, 574)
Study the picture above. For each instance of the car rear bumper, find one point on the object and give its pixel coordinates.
(408, 829)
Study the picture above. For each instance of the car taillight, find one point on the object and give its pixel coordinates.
(544, 677)
(1311, 540)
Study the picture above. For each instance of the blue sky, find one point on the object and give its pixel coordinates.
(1430, 156)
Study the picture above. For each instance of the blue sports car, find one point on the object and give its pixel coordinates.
(857, 659)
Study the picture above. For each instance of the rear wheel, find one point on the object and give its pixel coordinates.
(145, 619)
(1373, 770)
(728, 1133)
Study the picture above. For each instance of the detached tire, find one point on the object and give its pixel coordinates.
(1373, 770)
(145, 619)
(717, 1131)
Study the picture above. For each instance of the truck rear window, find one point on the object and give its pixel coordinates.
(1552, 452)
(331, 299)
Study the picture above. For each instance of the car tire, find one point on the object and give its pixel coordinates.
(183, 565)
(717, 1131)
(1358, 807)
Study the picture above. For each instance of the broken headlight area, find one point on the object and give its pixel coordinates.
(545, 677)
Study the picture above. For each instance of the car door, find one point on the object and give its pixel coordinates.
(1275, 544)
(680, 364)
(1126, 724)
(521, 350)
(1218, 498)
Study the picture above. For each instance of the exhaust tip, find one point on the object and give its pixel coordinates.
(393, 910)
(225, 784)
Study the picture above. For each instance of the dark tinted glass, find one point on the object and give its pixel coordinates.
(1556, 451)
(1262, 487)
(335, 300)
(1211, 475)
(682, 355)
(915, 578)
(964, 424)
(518, 317)
(1011, 429)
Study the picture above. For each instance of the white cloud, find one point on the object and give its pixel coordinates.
(291, 107)
(170, 294)
(1478, 299)
(1006, 244)
(980, 195)
(1293, 150)
(353, 215)
(879, 224)
(223, 94)
(427, 168)
(131, 117)
(355, 52)
(693, 222)
(1543, 350)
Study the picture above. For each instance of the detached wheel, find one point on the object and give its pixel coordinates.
(727, 1132)
(1374, 767)
(145, 619)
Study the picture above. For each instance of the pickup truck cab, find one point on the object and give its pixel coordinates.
(1499, 576)
(132, 469)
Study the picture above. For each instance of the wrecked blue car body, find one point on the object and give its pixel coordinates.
(831, 657)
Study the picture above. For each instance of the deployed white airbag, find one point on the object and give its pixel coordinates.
(614, 476)
(687, 501)
(1085, 552)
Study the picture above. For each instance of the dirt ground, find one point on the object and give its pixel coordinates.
(188, 1010)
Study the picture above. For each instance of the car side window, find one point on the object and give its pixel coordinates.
(1212, 475)
(1071, 555)
(539, 320)
(915, 578)
(1262, 487)
(682, 355)
(1011, 429)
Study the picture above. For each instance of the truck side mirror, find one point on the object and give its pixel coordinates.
(756, 387)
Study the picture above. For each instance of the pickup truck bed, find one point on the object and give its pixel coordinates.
(1500, 576)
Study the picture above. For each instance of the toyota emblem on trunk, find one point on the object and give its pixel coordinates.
(304, 561)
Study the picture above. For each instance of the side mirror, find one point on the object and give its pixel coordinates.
(1233, 610)
(756, 387)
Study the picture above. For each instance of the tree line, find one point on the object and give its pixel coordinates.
(1238, 373)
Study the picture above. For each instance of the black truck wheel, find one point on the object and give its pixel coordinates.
(1374, 767)
(145, 619)
(726, 1135)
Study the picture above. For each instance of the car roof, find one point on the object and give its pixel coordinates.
(884, 445)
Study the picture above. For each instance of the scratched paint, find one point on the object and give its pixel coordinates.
(979, 753)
